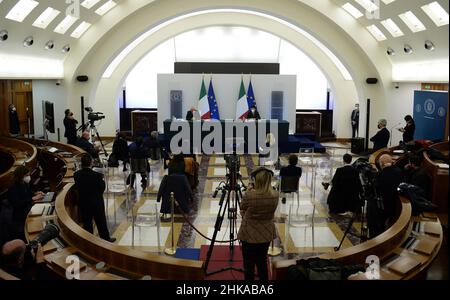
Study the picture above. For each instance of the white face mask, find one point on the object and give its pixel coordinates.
(27, 179)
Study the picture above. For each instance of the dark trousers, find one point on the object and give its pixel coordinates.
(255, 255)
(96, 213)
(354, 131)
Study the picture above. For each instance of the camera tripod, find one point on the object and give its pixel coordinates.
(90, 126)
(231, 190)
(363, 233)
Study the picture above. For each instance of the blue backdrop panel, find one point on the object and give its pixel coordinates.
(430, 113)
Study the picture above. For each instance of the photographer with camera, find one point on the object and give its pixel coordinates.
(70, 125)
(257, 230)
(346, 188)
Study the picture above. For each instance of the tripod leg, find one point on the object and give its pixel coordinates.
(350, 224)
(101, 142)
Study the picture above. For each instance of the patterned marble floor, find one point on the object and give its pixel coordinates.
(300, 238)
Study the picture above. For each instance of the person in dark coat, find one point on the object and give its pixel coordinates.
(21, 199)
(381, 139)
(14, 125)
(387, 183)
(291, 171)
(139, 164)
(90, 185)
(153, 146)
(355, 121)
(83, 143)
(179, 185)
(346, 189)
(70, 125)
(253, 113)
(408, 130)
(415, 174)
(177, 165)
(120, 150)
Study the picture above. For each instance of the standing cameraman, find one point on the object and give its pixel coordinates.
(386, 185)
(70, 125)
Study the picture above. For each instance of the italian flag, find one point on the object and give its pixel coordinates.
(242, 104)
(203, 104)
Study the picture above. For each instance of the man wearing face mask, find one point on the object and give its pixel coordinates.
(253, 114)
(14, 125)
(381, 139)
(21, 199)
(70, 125)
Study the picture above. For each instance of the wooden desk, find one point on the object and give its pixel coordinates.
(440, 178)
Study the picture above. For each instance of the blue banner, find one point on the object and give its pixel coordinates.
(430, 113)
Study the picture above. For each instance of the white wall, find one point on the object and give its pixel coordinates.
(400, 102)
(226, 88)
(47, 90)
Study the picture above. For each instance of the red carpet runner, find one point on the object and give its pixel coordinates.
(221, 259)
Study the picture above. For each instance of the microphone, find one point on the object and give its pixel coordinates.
(399, 123)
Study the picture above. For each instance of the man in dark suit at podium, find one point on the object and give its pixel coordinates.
(355, 121)
(381, 139)
(253, 114)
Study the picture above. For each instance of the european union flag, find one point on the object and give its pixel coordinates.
(250, 96)
(213, 108)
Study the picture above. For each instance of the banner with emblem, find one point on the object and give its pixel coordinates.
(430, 114)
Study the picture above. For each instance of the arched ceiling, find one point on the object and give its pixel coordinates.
(388, 9)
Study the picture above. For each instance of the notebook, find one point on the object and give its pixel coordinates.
(426, 246)
(404, 265)
(433, 228)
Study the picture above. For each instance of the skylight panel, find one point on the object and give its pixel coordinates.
(105, 8)
(46, 18)
(393, 29)
(78, 32)
(376, 32)
(368, 5)
(21, 10)
(388, 1)
(65, 24)
(436, 13)
(412, 22)
(352, 10)
(89, 3)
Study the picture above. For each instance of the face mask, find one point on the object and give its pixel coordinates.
(27, 179)
(379, 126)
(71, 114)
(253, 111)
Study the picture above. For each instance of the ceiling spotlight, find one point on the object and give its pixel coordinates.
(390, 51)
(28, 41)
(66, 48)
(429, 45)
(408, 49)
(3, 35)
(49, 45)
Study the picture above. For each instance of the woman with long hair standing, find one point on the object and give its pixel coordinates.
(258, 229)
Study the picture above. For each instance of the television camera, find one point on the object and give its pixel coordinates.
(94, 116)
(49, 232)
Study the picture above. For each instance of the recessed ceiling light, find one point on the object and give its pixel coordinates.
(376, 32)
(80, 29)
(412, 22)
(105, 8)
(21, 10)
(65, 24)
(408, 49)
(429, 45)
(352, 10)
(49, 45)
(46, 18)
(393, 29)
(436, 13)
(3, 35)
(390, 51)
(368, 5)
(28, 42)
(66, 48)
(89, 3)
